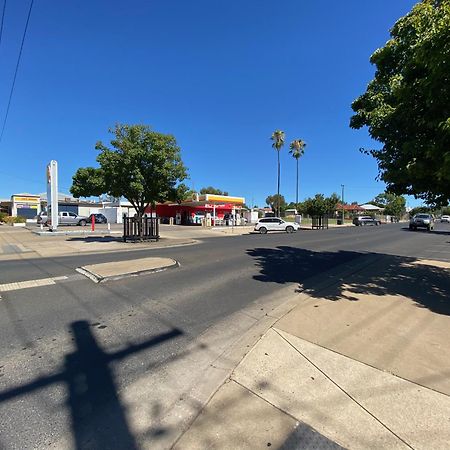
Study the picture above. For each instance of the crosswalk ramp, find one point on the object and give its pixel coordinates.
(12, 249)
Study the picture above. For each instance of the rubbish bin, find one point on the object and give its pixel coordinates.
(339, 221)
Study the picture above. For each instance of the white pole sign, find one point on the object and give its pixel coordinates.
(52, 194)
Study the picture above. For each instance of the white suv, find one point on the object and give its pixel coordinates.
(275, 224)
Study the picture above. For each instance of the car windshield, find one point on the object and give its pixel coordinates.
(422, 216)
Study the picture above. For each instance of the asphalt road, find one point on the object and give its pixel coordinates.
(71, 350)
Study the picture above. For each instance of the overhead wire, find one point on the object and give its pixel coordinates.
(3, 18)
(17, 68)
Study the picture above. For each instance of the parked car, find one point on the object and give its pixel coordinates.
(98, 218)
(275, 224)
(422, 221)
(64, 218)
(365, 220)
(445, 218)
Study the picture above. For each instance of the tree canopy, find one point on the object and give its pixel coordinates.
(143, 166)
(277, 203)
(212, 190)
(394, 205)
(407, 105)
(319, 205)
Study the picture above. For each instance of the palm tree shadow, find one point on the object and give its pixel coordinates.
(426, 284)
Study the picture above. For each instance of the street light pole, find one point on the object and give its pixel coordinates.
(342, 201)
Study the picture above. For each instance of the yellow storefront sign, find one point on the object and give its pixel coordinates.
(26, 199)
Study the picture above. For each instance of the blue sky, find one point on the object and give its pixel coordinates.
(219, 75)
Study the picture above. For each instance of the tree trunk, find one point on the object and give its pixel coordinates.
(296, 196)
(278, 185)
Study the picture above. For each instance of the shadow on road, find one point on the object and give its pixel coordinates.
(89, 239)
(427, 285)
(424, 230)
(98, 417)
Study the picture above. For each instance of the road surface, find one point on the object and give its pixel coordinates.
(97, 366)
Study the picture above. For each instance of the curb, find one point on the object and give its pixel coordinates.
(73, 233)
(96, 278)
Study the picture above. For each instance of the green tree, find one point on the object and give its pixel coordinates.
(407, 104)
(212, 190)
(394, 205)
(420, 209)
(319, 205)
(278, 142)
(143, 166)
(277, 203)
(297, 149)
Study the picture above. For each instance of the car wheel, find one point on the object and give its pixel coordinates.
(263, 230)
(289, 229)
(82, 223)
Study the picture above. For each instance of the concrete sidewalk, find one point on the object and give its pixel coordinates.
(361, 364)
(20, 243)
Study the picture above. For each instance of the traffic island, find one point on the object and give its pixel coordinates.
(100, 273)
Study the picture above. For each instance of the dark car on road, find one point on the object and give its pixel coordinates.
(365, 220)
(99, 218)
(422, 221)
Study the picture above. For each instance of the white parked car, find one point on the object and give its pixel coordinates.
(275, 224)
(445, 218)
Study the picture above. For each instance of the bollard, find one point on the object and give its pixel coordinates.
(109, 226)
(92, 222)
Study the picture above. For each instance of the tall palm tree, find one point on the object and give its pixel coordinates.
(297, 149)
(278, 142)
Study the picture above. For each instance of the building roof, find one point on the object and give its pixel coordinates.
(370, 207)
(25, 194)
(339, 207)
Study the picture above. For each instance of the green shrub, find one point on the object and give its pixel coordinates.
(12, 220)
(3, 217)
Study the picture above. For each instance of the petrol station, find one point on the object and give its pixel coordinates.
(207, 210)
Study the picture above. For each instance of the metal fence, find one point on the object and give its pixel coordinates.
(140, 228)
(319, 222)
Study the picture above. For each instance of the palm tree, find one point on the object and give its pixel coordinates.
(297, 149)
(278, 142)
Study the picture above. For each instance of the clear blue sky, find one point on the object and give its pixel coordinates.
(219, 75)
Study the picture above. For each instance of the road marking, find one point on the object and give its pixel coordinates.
(30, 283)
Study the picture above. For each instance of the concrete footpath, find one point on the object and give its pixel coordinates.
(362, 364)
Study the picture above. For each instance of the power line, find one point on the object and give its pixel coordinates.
(17, 68)
(3, 17)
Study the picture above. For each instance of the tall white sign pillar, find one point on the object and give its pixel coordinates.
(52, 194)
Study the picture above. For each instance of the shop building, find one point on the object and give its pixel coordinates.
(207, 209)
(25, 205)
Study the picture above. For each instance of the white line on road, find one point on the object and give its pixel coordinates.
(30, 283)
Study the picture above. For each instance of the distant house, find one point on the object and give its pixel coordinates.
(349, 209)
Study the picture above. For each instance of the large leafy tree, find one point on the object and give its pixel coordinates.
(277, 203)
(143, 166)
(394, 205)
(297, 149)
(278, 143)
(319, 205)
(212, 190)
(407, 105)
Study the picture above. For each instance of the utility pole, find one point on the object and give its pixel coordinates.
(342, 201)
